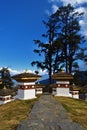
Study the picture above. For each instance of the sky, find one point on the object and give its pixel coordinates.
(21, 23)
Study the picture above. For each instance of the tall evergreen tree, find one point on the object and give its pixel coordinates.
(70, 36)
(48, 49)
(5, 77)
(63, 41)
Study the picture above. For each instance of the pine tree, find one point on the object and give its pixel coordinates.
(48, 49)
(63, 41)
(70, 36)
(5, 78)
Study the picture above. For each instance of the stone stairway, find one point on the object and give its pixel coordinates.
(48, 114)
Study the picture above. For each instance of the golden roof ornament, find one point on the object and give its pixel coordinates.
(62, 70)
(38, 82)
(73, 84)
(26, 71)
(0, 82)
(62, 75)
(4, 88)
(26, 77)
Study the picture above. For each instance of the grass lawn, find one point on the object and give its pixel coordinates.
(77, 109)
(12, 113)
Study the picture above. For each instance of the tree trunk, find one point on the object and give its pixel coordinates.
(66, 65)
(70, 66)
(50, 69)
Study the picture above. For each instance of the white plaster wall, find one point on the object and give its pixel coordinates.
(62, 92)
(6, 101)
(20, 94)
(62, 82)
(54, 91)
(39, 90)
(3, 102)
(26, 83)
(29, 94)
(75, 96)
(26, 94)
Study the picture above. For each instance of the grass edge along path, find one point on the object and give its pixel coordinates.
(12, 113)
(77, 109)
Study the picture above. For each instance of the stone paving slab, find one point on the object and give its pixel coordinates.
(48, 114)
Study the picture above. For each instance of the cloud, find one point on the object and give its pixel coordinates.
(14, 72)
(79, 8)
(55, 4)
(83, 66)
(50, 1)
(73, 2)
(81, 22)
(42, 72)
(65, 2)
(54, 8)
(48, 12)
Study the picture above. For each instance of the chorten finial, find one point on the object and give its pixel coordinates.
(4, 88)
(73, 84)
(38, 82)
(62, 70)
(0, 82)
(26, 71)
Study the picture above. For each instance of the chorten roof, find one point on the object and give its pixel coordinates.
(26, 77)
(39, 86)
(74, 87)
(62, 76)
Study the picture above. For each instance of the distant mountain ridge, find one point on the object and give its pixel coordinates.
(82, 75)
(43, 80)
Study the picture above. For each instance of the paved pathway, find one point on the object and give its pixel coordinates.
(48, 114)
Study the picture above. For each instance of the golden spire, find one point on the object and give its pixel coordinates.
(1, 82)
(26, 71)
(62, 70)
(4, 87)
(73, 84)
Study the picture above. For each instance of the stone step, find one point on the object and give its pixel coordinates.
(48, 114)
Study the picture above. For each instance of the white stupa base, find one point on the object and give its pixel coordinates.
(39, 91)
(75, 94)
(26, 90)
(26, 94)
(5, 99)
(62, 92)
(68, 95)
